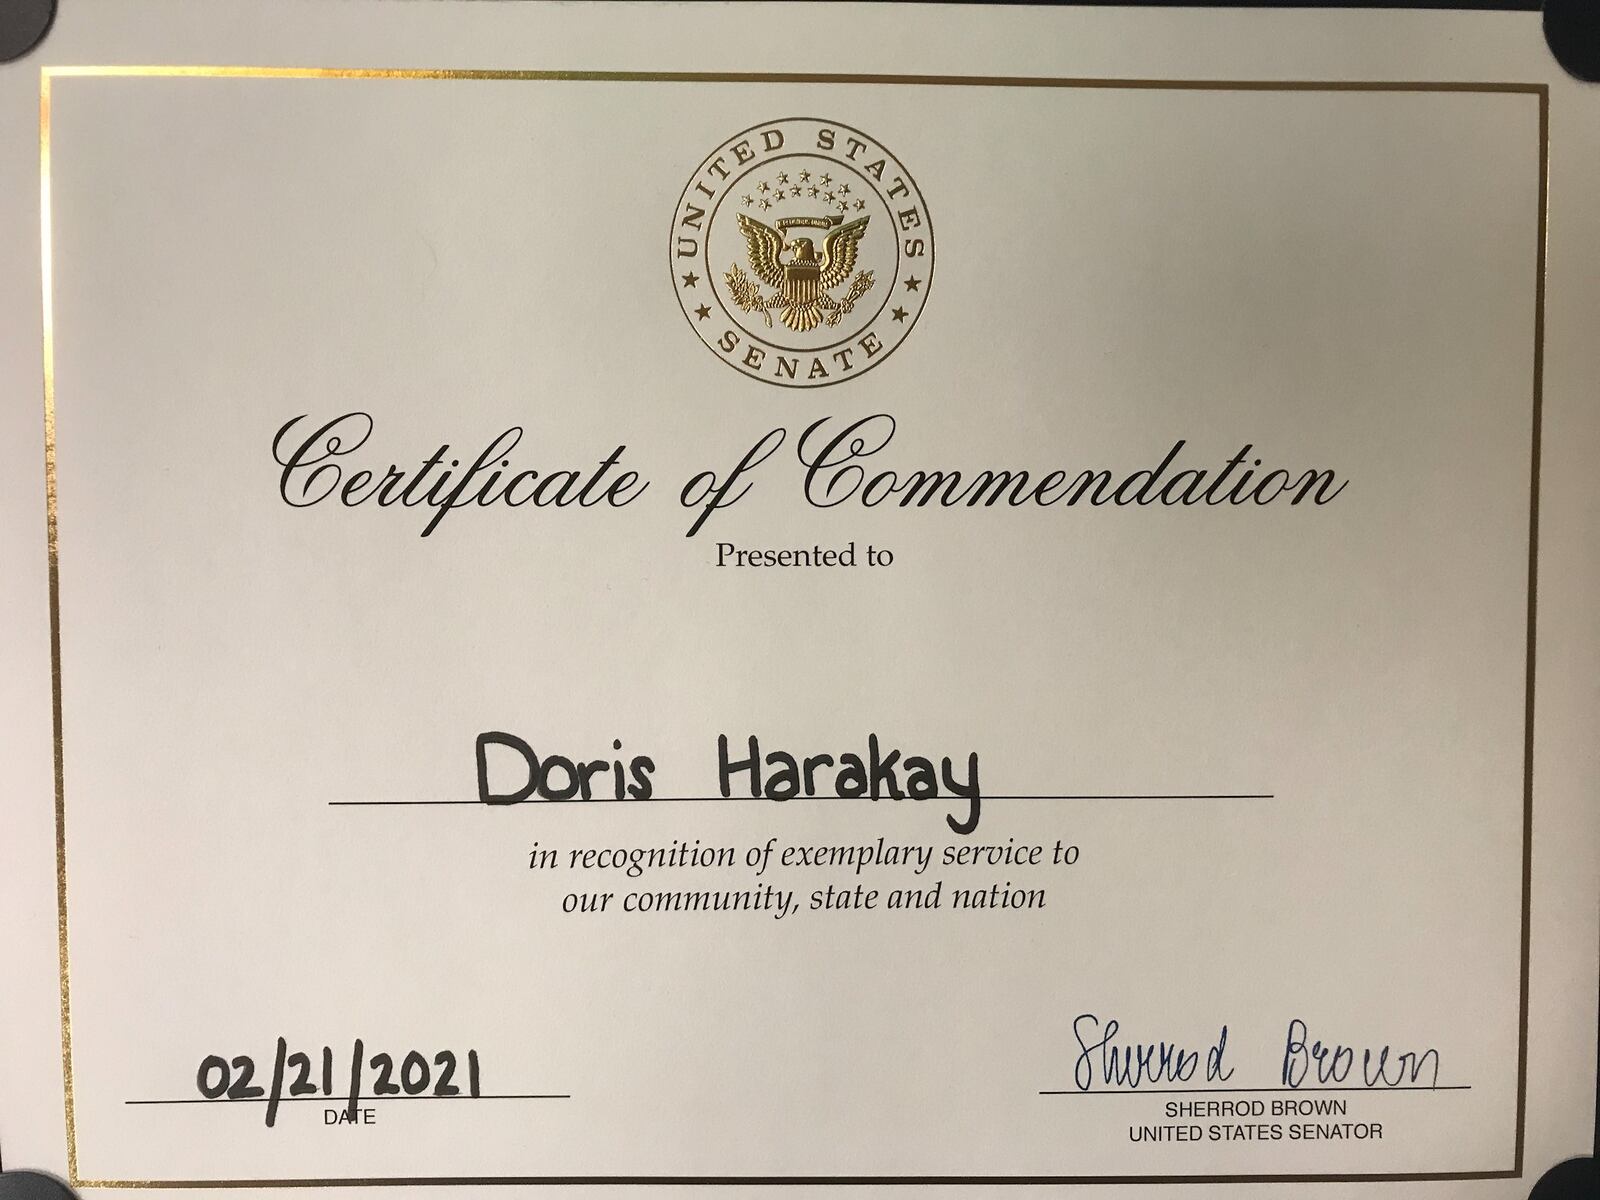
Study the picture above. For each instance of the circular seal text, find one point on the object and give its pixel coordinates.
(801, 252)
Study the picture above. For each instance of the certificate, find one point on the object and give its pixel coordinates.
(776, 596)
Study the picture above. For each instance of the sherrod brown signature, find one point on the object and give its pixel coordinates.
(1104, 1064)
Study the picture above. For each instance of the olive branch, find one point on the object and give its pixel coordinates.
(859, 287)
(746, 294)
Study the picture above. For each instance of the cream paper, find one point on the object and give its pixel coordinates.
(430, 388)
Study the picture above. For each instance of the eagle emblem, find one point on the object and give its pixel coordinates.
(804, 280)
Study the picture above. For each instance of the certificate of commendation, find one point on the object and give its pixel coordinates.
(761, 598)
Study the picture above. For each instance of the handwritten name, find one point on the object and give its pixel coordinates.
(1103, 1063)
(878, 774)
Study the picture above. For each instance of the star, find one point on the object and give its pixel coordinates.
(828, 196)
(825, 180)
(900, 314)
(702, 312)
(762, 186)
(748, 201)
(912, 284)
(777, 196)
(783, 177)
(844, 189)
(860, 204)
(811, 191)
(843, 207)
(804, 176)
(794, 191)
(765, 203)
(690, 279)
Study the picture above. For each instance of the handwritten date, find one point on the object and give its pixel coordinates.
(295, 1075)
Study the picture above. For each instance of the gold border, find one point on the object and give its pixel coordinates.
(46, 74)
(47, 301)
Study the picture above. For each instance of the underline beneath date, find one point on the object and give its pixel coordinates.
(343, 1099)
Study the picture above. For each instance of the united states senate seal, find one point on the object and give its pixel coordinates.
(801, 252)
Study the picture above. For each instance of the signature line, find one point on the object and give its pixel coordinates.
(1443, 1087)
